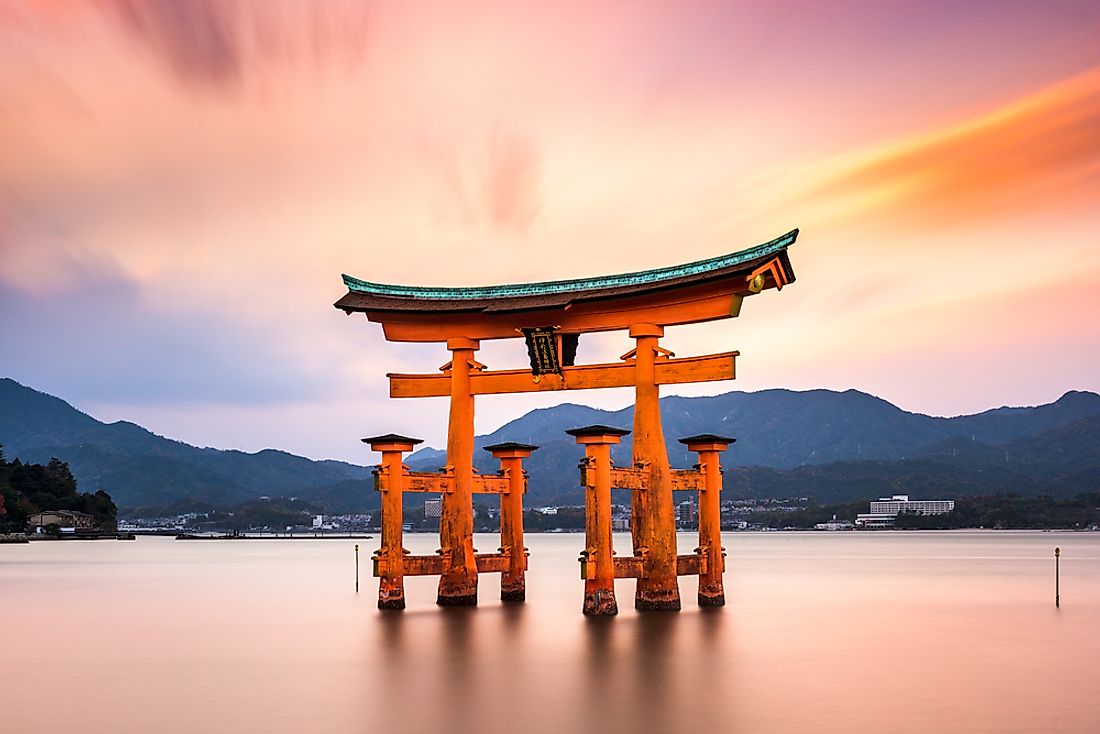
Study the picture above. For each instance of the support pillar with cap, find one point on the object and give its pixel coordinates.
(389, 559)
(511, 455)
(598, 564)
(653, 524)
(458, 583)
(708, 446)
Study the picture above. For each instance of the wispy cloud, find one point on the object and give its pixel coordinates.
(1031, 153)
(222, 42)
(495, 184)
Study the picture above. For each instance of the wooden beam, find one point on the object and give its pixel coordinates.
(491, 484)
(688, 479)
(442, 483)
(705, 302)
(638, 479)
(629, 567)
(434, 565)
(691, 565)
(434, 483)
(630, 478)
(492, 562)
(411, 566)
(582, 377)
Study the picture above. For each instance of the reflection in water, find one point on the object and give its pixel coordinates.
(268, 635)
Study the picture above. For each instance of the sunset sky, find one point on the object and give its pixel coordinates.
(182, 184)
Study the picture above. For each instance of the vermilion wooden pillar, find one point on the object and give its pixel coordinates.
(708, 446)
(511, 455)
(597, 559)
(653, 525)
(458, 584)
(390, 557)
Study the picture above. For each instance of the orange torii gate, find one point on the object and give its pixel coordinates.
(551, 316)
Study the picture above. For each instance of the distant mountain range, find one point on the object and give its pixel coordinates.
(834, 446)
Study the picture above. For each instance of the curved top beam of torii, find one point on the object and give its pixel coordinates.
(699, 291)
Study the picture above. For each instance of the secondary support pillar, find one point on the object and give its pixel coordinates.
(708, 446)
(597, 561)
(511, 455)
(389, 559)
(458, 584)
(653, 525)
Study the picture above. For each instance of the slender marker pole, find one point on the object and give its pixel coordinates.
(356, 568)
(1057, 579)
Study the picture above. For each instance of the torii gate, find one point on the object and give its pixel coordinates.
(551, 316)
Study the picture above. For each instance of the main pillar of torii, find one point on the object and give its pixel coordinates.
(551, 316)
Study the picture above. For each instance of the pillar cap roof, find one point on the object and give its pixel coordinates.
(597, 430)
(392, 438)
(707, 438)
(510, 446)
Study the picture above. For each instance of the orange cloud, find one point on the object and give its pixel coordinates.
(1037, 151)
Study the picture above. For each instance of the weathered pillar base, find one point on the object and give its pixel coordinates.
(656, 600)
(600, 603)
(513, 592)
(712, 597)
(391, 603)
(391, 594)
(462, 597)
(468, 600)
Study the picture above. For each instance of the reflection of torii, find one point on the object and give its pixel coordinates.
(551, 316)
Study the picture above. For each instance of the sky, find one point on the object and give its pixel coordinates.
(182, 184)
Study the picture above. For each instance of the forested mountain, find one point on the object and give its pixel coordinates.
(830, 445)
(141, 469)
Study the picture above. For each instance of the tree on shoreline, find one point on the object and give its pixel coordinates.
(26, 489)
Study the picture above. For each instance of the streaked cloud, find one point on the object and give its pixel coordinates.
(223, 42)
(1034, 152)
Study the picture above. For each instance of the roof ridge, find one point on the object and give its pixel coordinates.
(640, 277)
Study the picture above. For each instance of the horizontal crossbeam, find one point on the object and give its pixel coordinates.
(443, 483)
(492, 562)
(629, 567)
(582, 377)
(436, 565)
(410, 566)
(691, 565)
(639, 479)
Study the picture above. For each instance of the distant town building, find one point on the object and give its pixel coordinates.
(686, 513)
(318, 521)
(61, 518)
(901, 503)
(433, 508)
(834, 524)
(885, 510)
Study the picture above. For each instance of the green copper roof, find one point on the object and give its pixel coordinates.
(579, 284)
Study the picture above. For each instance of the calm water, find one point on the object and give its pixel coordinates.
(889, 632)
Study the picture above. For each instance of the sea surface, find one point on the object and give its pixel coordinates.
(823, 632)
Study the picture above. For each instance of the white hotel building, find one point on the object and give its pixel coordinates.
(886, 509)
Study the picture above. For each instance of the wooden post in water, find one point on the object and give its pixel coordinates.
(390, 558)
(511, 455)
(713, 562)
(597, 561)
(356, 568)
(1057, 578)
